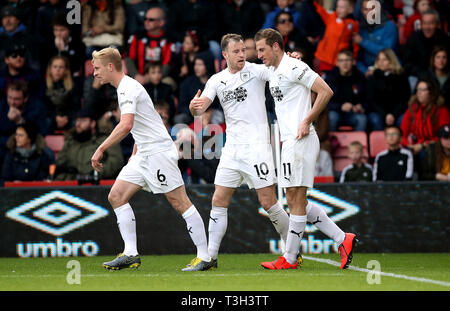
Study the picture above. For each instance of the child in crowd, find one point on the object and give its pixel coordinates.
(357, 170)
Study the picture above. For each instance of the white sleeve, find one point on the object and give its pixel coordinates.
(262, 71)
(210, 90)
(301, 73)
(127, 101)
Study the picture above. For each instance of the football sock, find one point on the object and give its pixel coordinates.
(280, 220)
(218, 221)
(196, 229)
(297, 225)
(127, 227)
(317, 216)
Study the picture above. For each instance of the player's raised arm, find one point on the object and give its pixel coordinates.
(199, 104)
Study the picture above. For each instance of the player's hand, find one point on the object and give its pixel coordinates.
(196, 102)
(95, 160)
(303, 130)
(296, 55)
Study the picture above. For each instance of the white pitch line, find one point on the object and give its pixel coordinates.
(398, 276)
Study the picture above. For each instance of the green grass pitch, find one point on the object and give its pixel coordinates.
(236, 272)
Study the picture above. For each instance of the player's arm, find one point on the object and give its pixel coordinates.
(120, 132)
(324, 94)
(199, 104)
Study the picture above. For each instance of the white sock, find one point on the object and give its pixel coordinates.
(218, 222)
(196, 229)
(127, 228)
(280, 220)
(317, 216)
(297, 225)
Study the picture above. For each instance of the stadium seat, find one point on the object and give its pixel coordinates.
(377, 143)
(345, 138)
(55, 143)
(340, 163)
(88, 68)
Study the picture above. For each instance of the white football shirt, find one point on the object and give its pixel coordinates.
(290, 85)
(149, 132)
(242, 96)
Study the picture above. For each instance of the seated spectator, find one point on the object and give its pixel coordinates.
(373, 35)
(250, 51)
(44, 20)
(282, 6)
(436, 163)
(18, 69)
(135, 11)
(64, 43)
(294, 39)
(193, 44)
(195, 170)
(244, 17)
(101, 98)
(203, 70)
(347, 106)
(18, 108)
(413, 23)
(339, 30)
(61, 96)
(396, 163)
(28, 158)
(420, 45)
(74, 160)
(324, 164)
(158, 90)
(150, 45)
(439, 70)
(388, 91)
(357, 170)
(103, 24)
(426, 113)
(14, 33)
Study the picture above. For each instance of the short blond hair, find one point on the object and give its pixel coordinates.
(356, 144)
(109, 55)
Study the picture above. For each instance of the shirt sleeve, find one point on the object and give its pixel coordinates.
(301, 73)
(210, 88)
(127, 100)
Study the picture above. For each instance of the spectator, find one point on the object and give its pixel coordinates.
(357, 170)
(426, 113)
(244, 17)
(203, 69)
(339, 30)
(14, 33)
(135, 11)
(347, 106)
(44, 20)
(413, 23)
(158, 90)
(388, 91)
(20, 107)
(99, 97)
(311, 23)
(199, 15)
(396, 163)
(64, 43)
(420, 45)
(439, 70)
(282, 6)
(373, 35)
(250, 51)
(17, 69)
(436, 165)
(103, 24)
(193, 44)
(324, 164)
(74, 160)
(28, 158)
(194, 164)
(150, 45)
(294, 39)
(163, 109)
(61, 96)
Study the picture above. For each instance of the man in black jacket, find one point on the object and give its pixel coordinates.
(395, 163)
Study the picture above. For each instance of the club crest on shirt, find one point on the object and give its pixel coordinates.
(276, 93)
(245, 76)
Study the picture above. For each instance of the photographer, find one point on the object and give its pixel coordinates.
(74, 160)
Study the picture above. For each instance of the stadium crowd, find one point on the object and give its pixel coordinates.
(389, 72)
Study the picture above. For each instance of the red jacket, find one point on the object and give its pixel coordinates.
(423, 130)
(337, 36)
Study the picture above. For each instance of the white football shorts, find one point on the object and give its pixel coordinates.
(298, 161)
(157, 173)
(252, 164)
